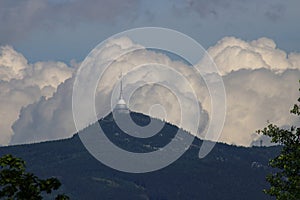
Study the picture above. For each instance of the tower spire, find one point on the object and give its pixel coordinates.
(121, 86)
(121, 106)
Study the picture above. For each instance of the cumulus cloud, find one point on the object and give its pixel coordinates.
(260, 81)
(261, 85)
(46, 119)
(22, 83)
(12, 65)
(52, 118)
(231, 54)
(255, 97)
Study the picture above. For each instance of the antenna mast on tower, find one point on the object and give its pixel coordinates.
(121, 86)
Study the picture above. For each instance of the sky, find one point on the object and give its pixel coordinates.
(42, 43)
(69, 29)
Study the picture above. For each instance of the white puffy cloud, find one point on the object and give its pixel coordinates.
(231, 54)
(46, 119)
(22, 83)
(52, 118)
(261, 85)
(255, 97)
(260, 81)
(12, 64)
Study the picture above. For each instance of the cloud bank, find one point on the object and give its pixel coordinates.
(261, 85)
(55, 114)
(260, 81)
(231, 54)
(22, 83)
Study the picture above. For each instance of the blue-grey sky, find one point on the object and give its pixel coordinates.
(69, 29)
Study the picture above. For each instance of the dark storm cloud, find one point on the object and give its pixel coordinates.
(18, 18)
(68, 29)
(204, 8)
(275, 12)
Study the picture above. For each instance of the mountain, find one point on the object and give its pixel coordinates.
(228, 172)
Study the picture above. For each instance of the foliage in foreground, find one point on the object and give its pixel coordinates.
(16, 183)
(285, 183)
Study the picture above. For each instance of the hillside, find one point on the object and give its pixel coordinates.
(228, 172)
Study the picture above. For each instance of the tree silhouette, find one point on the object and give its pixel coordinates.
(16, 183)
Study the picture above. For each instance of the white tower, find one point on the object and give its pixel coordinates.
(121, 106)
